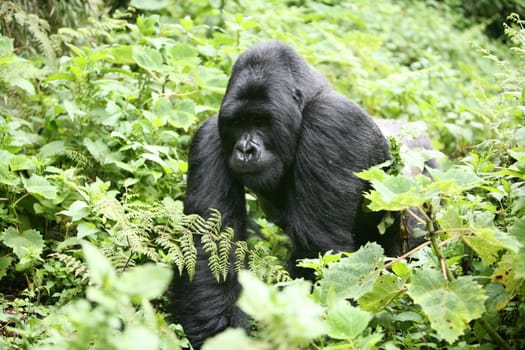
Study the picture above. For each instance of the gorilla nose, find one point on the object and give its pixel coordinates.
(246, 151)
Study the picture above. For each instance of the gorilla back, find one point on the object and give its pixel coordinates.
(283, 132)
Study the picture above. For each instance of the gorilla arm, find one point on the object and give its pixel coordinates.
(324, 209)
(205, 307)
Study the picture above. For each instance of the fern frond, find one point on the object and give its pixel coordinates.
(267, 267)
(82, 161)
(190, 253)
(167, 242)
(75, 266)
(118, 257)
(225, 250)
(241, 250)
(210, 246)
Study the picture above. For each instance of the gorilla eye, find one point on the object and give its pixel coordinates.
(260, 122)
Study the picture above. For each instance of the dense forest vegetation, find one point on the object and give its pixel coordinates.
(98, 104)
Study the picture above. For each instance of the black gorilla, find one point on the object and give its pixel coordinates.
(283, 132)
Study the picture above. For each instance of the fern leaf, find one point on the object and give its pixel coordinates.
(241, 249)
(190, 253)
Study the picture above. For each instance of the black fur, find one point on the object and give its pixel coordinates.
(295, 142)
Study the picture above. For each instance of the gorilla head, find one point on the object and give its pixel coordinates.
(261, 114)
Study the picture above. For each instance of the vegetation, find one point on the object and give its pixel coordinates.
(97, 111)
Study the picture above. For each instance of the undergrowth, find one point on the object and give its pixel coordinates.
(95, 123)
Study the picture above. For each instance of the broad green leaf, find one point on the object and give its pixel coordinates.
(497, 297)
(450, 306)
(183, 115)
(148, 58)
(449, 217)
(77, 210)
(396, 192)
(122, 54)
(100, 270)
(23, 84)
(487, 240)
(145, 282)
(6, 46)
(39, 186)
(517, 230)
(72, 110)
(26, 244)
(52, 148)
(154, 118)
(289, 311)
(234, 339)
(137, 337)
(212, 79)
(401, 268)
(455, 180)
(352, 276)
(20, 162)
(505, 275)
(98, 149)
(386, 288)
(86, 229)
(183, 54)
(5, 262)
(150, 5)
(257, 302)
(346, 321)
(157, 159)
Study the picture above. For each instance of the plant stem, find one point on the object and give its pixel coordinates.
(495, 335)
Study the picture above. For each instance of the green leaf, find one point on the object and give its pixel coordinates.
(39, 186)
(72, 110)
(450, 306)
(401, 268)
(233, 339)
(183, 54)
(148, 58)
(290, 311)
(386, 288)
(26, 244)
(52, 148)
(212, 79)
(100, 270)
(6, 46)
(77, 210)
(145, 282)
(98, 149)
(137, 337)
(5, 262)
(150, 5)
(487, 240)
(183, 115)
(455, 180)
(122, 54)
(86, 229)
(346, 321)
(396, 192)
(517, 230)
(20, 162)
(352, 276)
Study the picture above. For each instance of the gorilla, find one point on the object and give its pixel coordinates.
(286, 135)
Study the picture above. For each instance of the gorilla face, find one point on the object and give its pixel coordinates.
(259, 125)
(251, 149)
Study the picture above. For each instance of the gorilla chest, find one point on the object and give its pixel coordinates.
(274, 206)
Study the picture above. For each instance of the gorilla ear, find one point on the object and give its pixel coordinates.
(298, 98)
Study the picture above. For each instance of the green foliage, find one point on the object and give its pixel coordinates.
(117, 312)
(96, 117)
